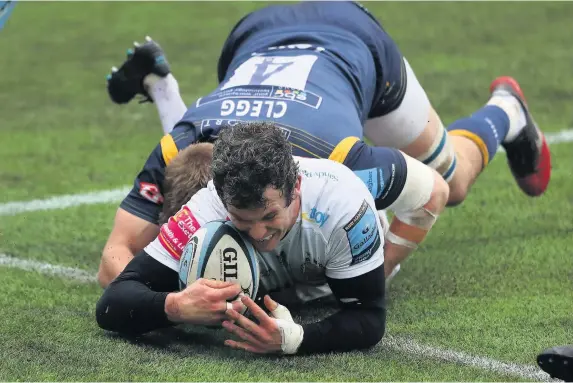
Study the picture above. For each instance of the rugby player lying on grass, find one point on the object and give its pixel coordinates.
(268, 193)
(328, 74)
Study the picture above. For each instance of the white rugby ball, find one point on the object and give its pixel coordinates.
(220, 252)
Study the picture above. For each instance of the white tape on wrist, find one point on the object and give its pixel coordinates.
(401, 241)
(291, 334)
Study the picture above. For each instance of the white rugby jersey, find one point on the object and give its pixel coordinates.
(337, 234)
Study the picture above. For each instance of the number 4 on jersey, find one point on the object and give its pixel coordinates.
(288, 72)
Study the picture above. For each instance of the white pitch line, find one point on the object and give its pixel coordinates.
(412, 347)
(47, 268)
(64, 201)
(116, 195)
(401, 344)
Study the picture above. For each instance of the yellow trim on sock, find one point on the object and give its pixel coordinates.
(342, 149)
(476, 140)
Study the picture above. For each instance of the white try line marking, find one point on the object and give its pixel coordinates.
(64, 201)
(401, 344)
(116, 195)
(412, 347)
(47, 268)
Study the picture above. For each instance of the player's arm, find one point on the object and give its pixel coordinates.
(136, 220)
(361, 321)
(416, 193)
(129, 235)
(144, 296)
(355, 273)
(134, 302)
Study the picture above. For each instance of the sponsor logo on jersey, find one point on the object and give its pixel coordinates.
(291, 94)
(316, 216)
(150, 192)
(262, 93)
(373, 179)
(362, 234)
(308, 174)
(177, 232)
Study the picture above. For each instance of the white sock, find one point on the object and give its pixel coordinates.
(165, 94)
(511, 106)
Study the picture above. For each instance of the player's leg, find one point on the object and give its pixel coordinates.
(462, 150)
(146, 72)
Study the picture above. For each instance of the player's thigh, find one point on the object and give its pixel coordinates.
(410, 118)
(414, 127)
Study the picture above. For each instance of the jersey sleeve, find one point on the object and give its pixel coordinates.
(205, 206)
(145, 199)
(356, 246)
(383, 170)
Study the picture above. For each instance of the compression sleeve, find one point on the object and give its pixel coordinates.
(359, 324)
(134, 303)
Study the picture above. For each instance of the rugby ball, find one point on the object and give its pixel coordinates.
(220, 252)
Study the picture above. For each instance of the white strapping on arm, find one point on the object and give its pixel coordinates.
(409, 208)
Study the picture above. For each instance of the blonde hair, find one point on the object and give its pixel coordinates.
(187, 173)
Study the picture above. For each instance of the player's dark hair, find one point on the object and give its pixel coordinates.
(185, 175)
(248, 159)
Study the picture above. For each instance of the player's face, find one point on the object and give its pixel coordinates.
(267, 226)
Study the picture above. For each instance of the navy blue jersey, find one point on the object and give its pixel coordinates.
(318, 70)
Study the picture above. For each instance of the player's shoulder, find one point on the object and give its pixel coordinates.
(324, 170)
(329, 179)
(182, 136)
(331, 195)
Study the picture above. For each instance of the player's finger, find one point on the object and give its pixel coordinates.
(258, 312)
(243, 346)
(280, 312)
(215, 284)
(270, 303)
(225, 293)
(246, 324)
(238, 306)
(238, 331)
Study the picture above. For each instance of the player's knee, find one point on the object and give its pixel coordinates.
(440, 154)
(440, 194)
(458, 194)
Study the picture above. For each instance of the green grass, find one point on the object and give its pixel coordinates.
(494, 278)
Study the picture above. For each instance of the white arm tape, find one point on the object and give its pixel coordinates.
(417, 191)
(291, 332)
(401, 241)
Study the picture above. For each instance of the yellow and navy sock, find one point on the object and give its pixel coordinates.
(486, 128)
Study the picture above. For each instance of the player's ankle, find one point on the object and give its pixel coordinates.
(150, 80)
(157, 86)
(514, 110)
